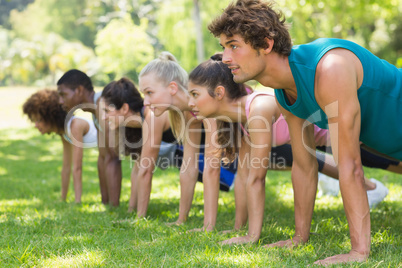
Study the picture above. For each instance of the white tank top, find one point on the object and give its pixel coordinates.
(90, 138)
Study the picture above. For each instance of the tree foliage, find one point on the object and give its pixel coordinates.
(42, 38)
(123, 48)
(64, 17)
(7, 5)
(42, 59)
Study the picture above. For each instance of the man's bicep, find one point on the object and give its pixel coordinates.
(345, 130)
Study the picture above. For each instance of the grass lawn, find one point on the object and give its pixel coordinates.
(39, 230)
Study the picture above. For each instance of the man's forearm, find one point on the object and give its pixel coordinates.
(304, 189)
(357, 211)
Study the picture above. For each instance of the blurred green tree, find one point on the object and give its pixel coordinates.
(123, 48)
(6, 6)
(64, 17)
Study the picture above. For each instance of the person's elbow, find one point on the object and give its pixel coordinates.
(77, 170)
(256, 181)
(188, 174)
(145, 174)
(66, 171)
(351, 167)
(211, 173)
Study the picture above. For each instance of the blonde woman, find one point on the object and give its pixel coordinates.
(164, 84)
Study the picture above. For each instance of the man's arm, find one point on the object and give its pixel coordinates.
(109, 164)
(338, 98)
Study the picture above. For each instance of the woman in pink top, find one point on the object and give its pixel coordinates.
(249, 127)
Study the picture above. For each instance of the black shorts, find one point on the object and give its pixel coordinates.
(369, 159)
(284, 152)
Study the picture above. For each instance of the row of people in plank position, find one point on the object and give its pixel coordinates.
(217, 130)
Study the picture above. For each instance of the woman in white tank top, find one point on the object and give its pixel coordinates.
(43, 109)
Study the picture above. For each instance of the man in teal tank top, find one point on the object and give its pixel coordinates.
(332, 83)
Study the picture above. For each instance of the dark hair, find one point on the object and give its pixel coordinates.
(118, 93)
(45, 104)
(74, 78)
(123, 91)
(254, 20)
(211, 74)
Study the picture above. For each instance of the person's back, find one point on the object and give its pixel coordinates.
(380, 94)
(339, 86)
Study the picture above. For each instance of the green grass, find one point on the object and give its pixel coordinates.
(39, 230)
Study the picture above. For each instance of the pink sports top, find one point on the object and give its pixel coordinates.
(280, 133)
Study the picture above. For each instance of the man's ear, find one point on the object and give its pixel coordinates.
(173, 88)
(80, 90)
(219, 92)
(270, 45)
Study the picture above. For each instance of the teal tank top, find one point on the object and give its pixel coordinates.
(380, 94)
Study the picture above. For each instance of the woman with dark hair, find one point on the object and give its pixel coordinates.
(148, 138)
(124, 110)
(43, 109)
(258, 120)
(164, 84)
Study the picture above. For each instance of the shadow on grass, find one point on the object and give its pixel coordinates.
(31, 167)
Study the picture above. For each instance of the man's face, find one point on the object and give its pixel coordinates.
(68, 98)
(245, 62)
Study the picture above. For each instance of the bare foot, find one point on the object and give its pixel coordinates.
(197, 230)
(238, 240)
(130, 209)
(286, 243)
(352, 256)
(226, 231)
(176, 223)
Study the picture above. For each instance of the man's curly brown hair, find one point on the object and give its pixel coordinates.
(254, 20)
(45, 105)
